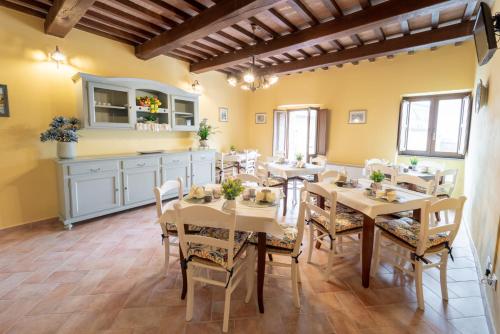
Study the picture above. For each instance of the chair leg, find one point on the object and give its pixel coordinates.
(311, 242)
(227, 307)
(295, 284)
(166, 244)
(299, 278)
(376, 252)
(250, 273)
(190, 293)
(443, 268)
(331, 255)
(419, 285)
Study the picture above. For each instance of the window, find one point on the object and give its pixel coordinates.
(435, 126)
(299, 131)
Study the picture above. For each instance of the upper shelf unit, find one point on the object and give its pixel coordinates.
(128, 103)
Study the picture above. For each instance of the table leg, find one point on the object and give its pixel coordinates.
(285, 192)
(368, 231)
(184, 275)
(261, 268)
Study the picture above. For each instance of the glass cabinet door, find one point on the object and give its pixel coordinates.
(185, 113)
(109, 106)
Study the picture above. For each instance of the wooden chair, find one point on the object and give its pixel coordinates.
(389, 172)
(218, 247)
(268, 180)
(334, 224)
(288, 246)
(415, 183)
(249, 178)
(223, 169)
(421, 240)
(328, 175)
(248, 166)
(319, 160)
(172, 187)
(445, 182)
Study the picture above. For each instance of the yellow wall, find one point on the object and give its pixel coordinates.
(376, 87)
(482, 167)
(38, 91)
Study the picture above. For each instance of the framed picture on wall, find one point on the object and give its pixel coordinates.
(260, 118)
(4, 101)
(223, 114)
(357, 117)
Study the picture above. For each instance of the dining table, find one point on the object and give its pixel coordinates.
(250, 217)
(238, 158)
(357, 198)
(421, 174)
(290, 172)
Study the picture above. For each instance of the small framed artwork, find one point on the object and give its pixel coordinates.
(260, 118)
(357, 116)
(4, 101)
(223, 114)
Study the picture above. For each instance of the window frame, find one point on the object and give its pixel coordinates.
(432, 126)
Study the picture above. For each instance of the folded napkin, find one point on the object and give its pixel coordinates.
(300, 164)
(196, 192)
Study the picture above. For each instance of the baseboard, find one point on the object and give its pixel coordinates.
(29, 225)
(482, 288)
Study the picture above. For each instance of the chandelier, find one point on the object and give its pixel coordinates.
(251, 80)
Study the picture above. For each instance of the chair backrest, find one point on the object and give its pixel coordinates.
(261, 170)
(454, 205)
(319, 160)
(168, 186)
(300, 228)
(433, 166)
(387, 170)
(327, 175)
(445, 181)
(418, 183)
(248, 178)
(205, 216)
(312, 207)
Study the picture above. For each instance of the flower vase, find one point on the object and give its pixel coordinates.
(230, 204)
(376, 186)
(204, 143)
(66, 150)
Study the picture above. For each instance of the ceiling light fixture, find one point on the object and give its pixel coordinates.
(197, 88)
(58, 56)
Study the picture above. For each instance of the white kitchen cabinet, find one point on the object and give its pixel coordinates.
(110, 106)
(184, 113)
(203, 168)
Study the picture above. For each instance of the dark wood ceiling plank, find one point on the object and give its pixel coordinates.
(289, 56)
(94, 31)
(111, 31)
(185, 54)
(320, 49)
(25, 8)
(337, 45)
(280, 19)
(356, 40)
(138, 11)
(203, 54)
(232, 38)
(173, 55)
(303, 10)
(64, 15)
(207, 47)
(333, 7)
(304, 53)
(263, 26)
(195, 5)
(98, 17)
(118, 15)
(365, 4)
(436, 37)
(384, 13)
(211, 20)
(380, 34)
(276, 60)
(219, 43)
(163, 8)
(247, 33)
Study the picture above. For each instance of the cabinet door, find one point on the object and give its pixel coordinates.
(203, 172)
(94, 193)
(184, 113)
(110, 106)
(139, 184)
(172, 173)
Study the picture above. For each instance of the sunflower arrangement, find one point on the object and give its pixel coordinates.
(152, 102)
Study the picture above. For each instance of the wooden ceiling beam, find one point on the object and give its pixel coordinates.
(365, 4)
(469, 10)
(368, 19)
(163, 8)
(64, 15)
(25, 8)
(232, 38)
(303, 10)
(427, 39)
(135, 10)
(195, 5)
(207, 47)
(211, 20)
(280, 19)
(333, 7)
(247, 33)
(264, 26)
(101, 33)
(99, 18)
(111, 30)
(219, 43)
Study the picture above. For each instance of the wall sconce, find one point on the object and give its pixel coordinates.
(197, 88)
(58, 56)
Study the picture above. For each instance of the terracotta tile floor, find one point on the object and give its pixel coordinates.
(105, 276)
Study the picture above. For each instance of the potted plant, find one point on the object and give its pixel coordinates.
(231, 188)
(377, 177)
(413, 163)
(299, 156)
(232, 149)
(204, 131)
(64, 132)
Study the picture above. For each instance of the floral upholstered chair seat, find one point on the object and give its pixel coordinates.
(287, 242)
(215, 254)
(407, 230)
(346, 221)
(274, 181)
(172, 229)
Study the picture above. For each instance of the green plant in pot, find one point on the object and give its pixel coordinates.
(64, 131)
(299, 156)
(377, 177)
(413, 163)
(204, 131)
(231, 188)
(232, 148)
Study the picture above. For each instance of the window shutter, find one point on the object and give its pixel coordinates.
(403, 125)
(322, 132)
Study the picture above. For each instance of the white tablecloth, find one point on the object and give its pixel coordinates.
(357, 199)
(250, 219)
(425, 176)
(288, 170)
